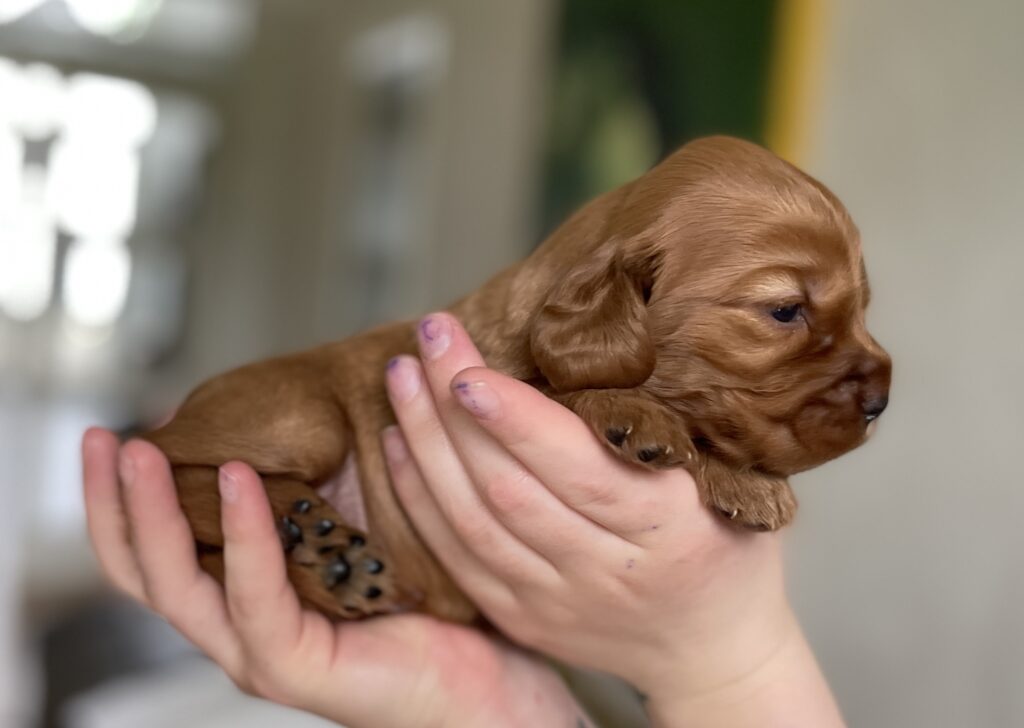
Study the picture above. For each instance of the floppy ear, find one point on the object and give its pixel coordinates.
(591, 332)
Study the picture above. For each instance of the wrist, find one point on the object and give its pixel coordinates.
(741, 659)
(785, 688)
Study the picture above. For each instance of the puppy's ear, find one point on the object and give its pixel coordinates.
(591, 332)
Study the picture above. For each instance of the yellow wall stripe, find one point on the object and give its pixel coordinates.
(796, 76)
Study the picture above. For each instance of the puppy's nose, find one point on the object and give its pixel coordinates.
(874, 407)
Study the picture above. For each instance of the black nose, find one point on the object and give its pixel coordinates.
(874, 407)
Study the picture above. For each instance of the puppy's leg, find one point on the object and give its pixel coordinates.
(278, 417)
(332, 566)
(750, 499)
(644, 431)
(636, 427)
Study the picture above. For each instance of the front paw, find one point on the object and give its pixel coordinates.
(642, 432)
(640, 445)
(756, 503)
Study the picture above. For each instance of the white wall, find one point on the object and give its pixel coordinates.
(908, 559)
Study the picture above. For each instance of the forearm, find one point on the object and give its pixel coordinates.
(786, 688)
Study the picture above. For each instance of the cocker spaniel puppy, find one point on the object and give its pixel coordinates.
(708, 315)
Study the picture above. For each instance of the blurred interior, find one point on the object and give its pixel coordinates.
(187, 185)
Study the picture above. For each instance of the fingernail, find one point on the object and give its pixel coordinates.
(435, 334)
(228, 486)
(478, 398)
(394, 445)
(403, 378)
(126, 467)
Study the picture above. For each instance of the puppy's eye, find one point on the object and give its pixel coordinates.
(786, 314)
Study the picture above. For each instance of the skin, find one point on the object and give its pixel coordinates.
(389, 672)
(565, 548)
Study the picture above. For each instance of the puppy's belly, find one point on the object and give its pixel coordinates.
(344, 492)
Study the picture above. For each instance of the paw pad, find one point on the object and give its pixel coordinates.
(336, 572)
(343, 562)
(290, 533)
(647, 454)
(617, 435)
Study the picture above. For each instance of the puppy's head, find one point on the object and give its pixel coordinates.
(732, 286)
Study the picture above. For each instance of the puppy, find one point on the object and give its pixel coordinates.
(708, 315)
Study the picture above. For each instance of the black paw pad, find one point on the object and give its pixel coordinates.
(290, 533)
(373, 592)
(373, 566)
(357, 541)
(648, 454)
(324, 527)
(616, 435)
(301, 506)
(336, 572)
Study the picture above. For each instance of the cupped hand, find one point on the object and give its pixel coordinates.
(566, 548)
(408, 670)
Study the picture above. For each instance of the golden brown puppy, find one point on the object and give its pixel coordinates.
(709, 315)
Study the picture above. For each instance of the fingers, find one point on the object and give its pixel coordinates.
(439, 463)
(105, 515)
(510, 493)
(509, 490)
(467, 570)
(448, 483)
(518, 498)
(146, 546)
(560, 449)
(174, 584)
(263, 605)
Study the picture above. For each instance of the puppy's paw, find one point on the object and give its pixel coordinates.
(342, 570)
(754, 502)
(643, 440)
(637, 429)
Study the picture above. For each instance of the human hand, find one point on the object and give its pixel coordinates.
(408, 670)
(572, 552)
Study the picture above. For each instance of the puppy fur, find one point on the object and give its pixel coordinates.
(708, 315)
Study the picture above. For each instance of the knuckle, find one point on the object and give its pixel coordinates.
(154, 595)
(472, 526)
(428, 427)
(242, 606)
(407, 482)
(175, 607)
(467, 514)
(267, 679)
(525, 632)
(557, 615)
(244, 684)
(508, 493)
(127, 584)
(502, 607)
(591, 494)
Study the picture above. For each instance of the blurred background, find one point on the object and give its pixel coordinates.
(186, 185)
